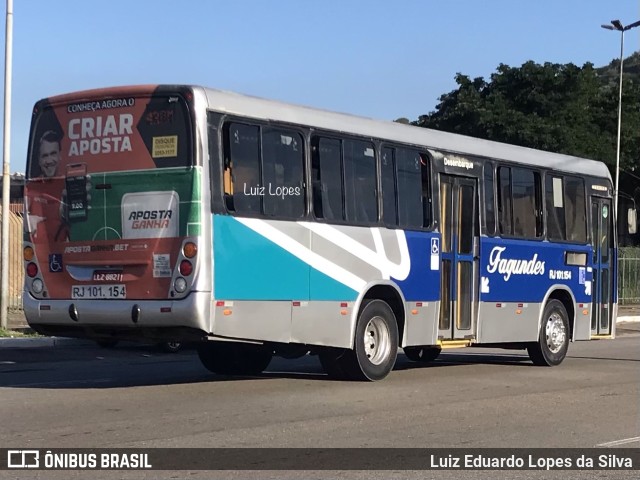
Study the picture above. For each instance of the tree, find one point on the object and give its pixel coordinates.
(556, 107)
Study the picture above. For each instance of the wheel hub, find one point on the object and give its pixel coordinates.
(555, 333)
(377, 341)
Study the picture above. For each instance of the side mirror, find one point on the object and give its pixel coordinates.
(632, 221)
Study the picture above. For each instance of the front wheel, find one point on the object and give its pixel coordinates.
(553, 340)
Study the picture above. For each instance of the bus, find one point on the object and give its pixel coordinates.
(257, 228)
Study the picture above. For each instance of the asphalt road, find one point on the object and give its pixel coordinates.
(134, 396)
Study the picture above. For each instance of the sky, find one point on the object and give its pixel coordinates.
(374, 58)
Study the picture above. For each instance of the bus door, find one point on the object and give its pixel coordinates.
(459, 257)
(603, 281)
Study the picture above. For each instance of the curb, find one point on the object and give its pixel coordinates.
(40, 342)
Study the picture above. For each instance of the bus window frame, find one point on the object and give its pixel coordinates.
(586, 182)
(539, 196)
(424, 153)
(224, 121)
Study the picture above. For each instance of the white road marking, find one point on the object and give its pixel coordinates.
(619, 442)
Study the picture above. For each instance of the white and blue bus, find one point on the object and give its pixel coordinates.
(259, 228)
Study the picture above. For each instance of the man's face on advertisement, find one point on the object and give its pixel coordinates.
(49, 158)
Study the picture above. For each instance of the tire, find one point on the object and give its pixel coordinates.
(553, 340)
(107, 342)
(375, 343)
(234, 359)
(422, 354)
(170, 346)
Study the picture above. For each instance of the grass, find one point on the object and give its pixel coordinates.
(4, 333)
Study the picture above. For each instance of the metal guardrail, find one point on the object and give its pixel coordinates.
(629, 276)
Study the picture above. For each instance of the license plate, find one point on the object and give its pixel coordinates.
(90, 292)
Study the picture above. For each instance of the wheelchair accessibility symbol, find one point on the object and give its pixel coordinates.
(435, 246)
(55, 262)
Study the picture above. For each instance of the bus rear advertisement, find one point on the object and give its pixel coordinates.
(112, 199)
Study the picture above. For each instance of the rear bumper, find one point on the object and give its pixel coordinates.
(97, 318)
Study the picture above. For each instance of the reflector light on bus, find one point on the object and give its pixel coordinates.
(190, 249)
(32, 269)
(28, 254)
(37, 286)
(186, 268)
(180, 285)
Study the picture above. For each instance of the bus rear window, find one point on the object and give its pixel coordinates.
(111, 134)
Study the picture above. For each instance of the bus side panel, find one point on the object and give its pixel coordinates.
(515, 279)
(421, 289)
(264, 267)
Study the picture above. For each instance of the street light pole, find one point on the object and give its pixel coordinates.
(617, 25)
(6, 169)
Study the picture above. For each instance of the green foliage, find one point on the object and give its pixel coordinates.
(556, 107)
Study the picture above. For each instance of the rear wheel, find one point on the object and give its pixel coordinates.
(234, 359)
(376, 343)
(553, 340)
(422, 354)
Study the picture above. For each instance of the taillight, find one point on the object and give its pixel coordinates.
(190, 249)
(32, 269)
(186, 268)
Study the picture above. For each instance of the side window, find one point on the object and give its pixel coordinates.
(566, 209)
(409, 187)
(242, 168)
(360, 192)
(282, 173)
(327, 179)
(426, 190)
(388, 174)
(525, 188)
(489, 201)
(504, 201)
(575, 210)
(554, 194)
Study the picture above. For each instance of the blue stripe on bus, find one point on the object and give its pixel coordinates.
(523, 271)
(248, 266)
